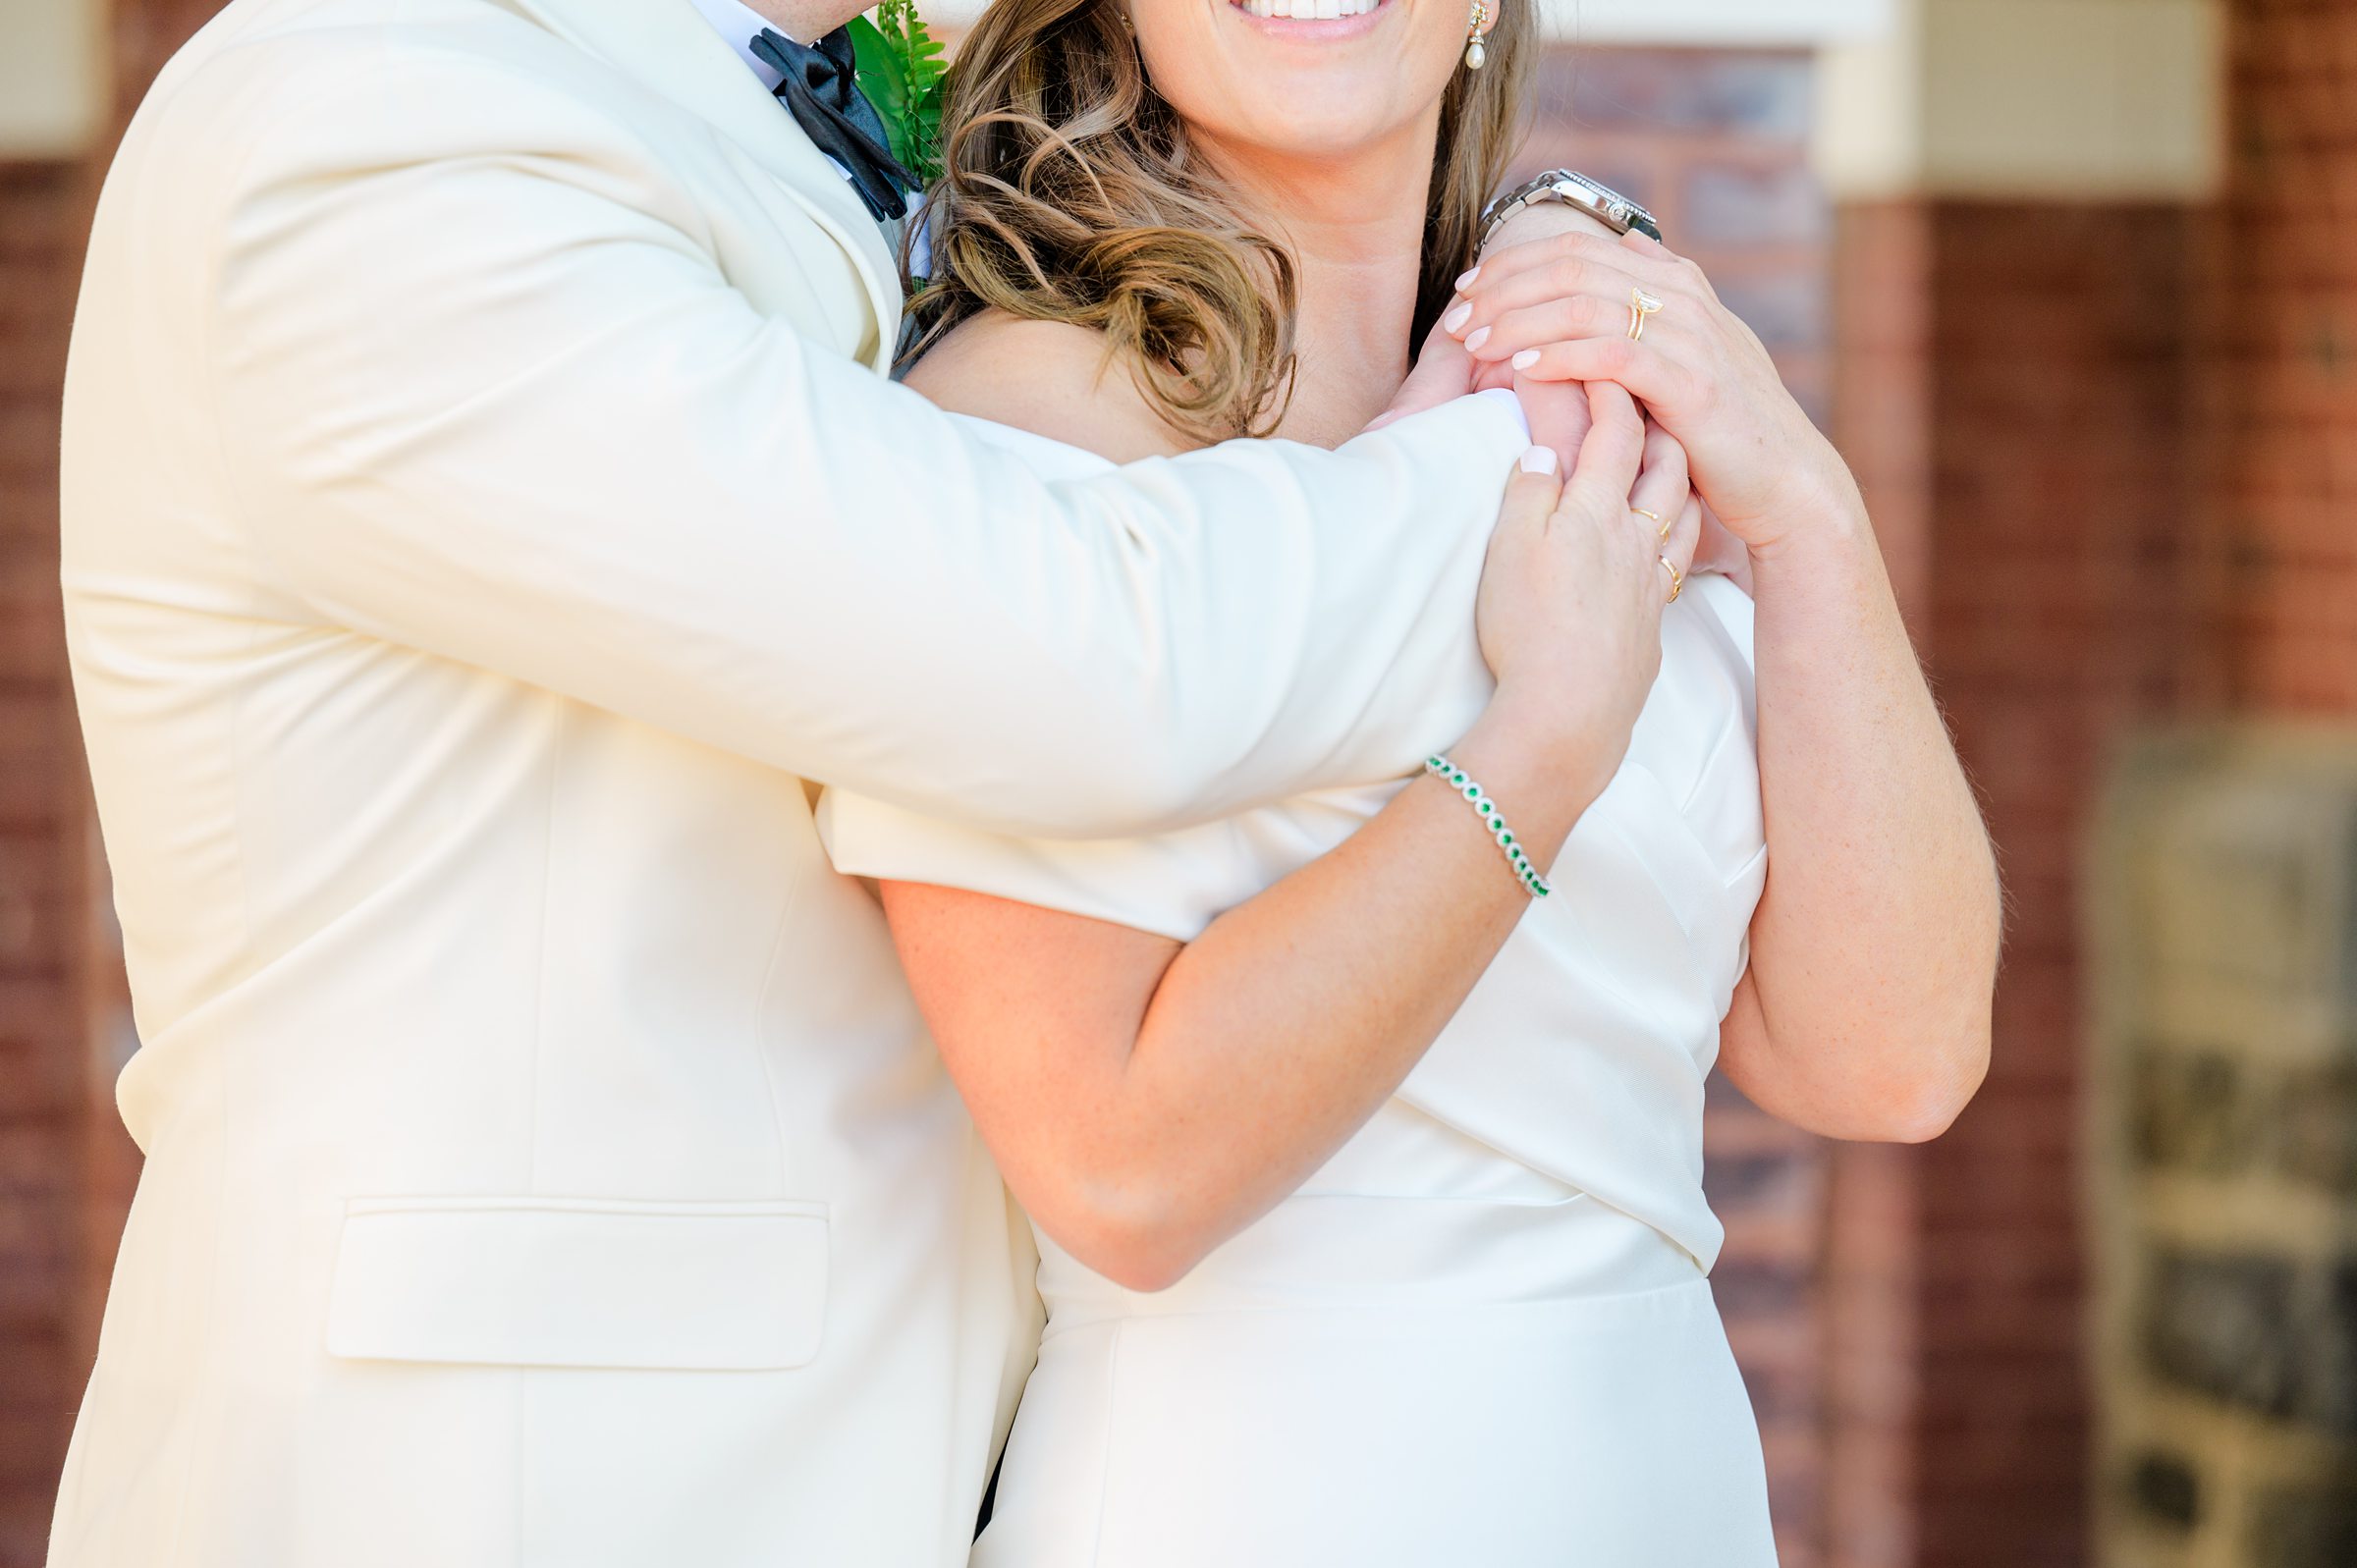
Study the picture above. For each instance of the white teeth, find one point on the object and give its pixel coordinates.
(1319, 10)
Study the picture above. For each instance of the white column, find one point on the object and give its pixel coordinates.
(52, 76)
(2029, 99)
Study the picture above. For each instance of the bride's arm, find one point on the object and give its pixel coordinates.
(1866, 1011)
(1147, 1099)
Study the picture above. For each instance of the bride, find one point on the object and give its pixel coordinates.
(1478, 1329)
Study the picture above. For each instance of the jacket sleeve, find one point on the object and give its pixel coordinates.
(487, 391)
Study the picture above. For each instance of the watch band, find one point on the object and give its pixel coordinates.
(1591, 197)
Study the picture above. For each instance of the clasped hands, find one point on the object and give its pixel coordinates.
(1548, 309)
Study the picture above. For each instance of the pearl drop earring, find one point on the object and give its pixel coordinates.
(1475, 53)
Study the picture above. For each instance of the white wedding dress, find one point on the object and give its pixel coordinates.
(1482, 1334)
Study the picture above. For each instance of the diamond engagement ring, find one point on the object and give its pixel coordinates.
(1641, 307)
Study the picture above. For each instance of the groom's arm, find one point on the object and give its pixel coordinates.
(499, 403)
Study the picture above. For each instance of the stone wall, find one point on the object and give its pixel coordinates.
(2225, 1153)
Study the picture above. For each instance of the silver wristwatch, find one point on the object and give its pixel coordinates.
(1591, 197)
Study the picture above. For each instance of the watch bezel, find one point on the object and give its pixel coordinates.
(1590, 195)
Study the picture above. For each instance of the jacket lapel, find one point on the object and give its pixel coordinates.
(669, 46)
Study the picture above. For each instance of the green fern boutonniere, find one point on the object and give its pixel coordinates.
(900, 69)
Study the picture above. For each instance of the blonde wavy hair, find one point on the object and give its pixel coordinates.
(1070, 193)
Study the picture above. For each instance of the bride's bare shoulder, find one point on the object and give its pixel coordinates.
(1052, 378)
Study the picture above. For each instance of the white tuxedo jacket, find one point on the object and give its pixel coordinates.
(485, 527)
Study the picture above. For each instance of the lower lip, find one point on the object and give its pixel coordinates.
(1315, 29)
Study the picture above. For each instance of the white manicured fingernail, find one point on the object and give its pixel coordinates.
(1479, 338)
(1458, 314)
(1539, 460)
(1465, 279)
(1526, 358)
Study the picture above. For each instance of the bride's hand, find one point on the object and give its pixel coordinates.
(1571, 596)
(1557, 310)
(1557, 411)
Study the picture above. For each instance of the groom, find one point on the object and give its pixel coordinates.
(487, 525)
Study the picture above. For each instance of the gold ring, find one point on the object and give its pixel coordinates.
(1652, 518)
(1677, 578)
(1641, 306)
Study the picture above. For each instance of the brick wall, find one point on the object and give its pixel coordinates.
(2062, 476)
(2017, 392)
(2279, 356)
(44, 1098)
(2124, 439)
(1989, 357)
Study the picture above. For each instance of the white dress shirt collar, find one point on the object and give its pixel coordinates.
(740, 25)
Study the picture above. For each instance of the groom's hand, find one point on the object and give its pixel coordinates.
(1443, 373)
(1557, 411)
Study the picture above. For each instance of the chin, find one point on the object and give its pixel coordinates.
(1299, 79)
(1306, 116)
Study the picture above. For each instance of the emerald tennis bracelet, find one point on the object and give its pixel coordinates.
(1456, 779)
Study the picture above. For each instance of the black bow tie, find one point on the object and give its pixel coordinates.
(824, 100)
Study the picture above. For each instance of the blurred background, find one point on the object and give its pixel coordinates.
(2074, 285)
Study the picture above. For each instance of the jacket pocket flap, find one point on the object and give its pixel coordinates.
(580, 1282)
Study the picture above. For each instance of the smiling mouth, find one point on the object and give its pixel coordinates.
(1307, 10)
